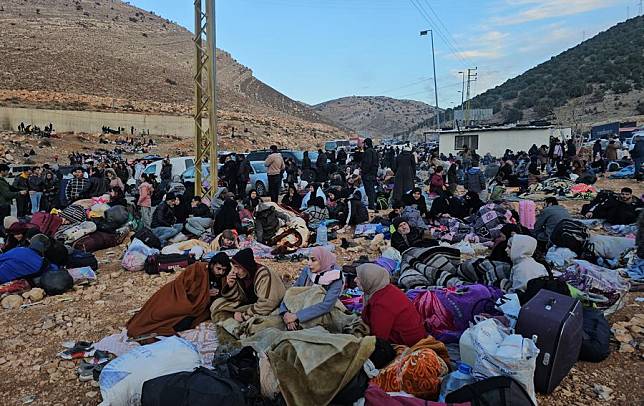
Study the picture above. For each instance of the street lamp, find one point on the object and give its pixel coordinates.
(431, 34)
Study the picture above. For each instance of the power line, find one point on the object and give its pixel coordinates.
(448, 34)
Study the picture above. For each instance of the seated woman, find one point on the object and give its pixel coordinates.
(200, 219)
(183, 303)
(252, 201)
(524, 268)
(227, 218)
(499, 251)
(316, 212)
(357, 212)
(16, 235)
(389, 313)
(292, 199)
(406, 236)
(436, 181)
(322, 271)
(418, 200)
(250, 290)
(117, 197)
(471, 203)
(312, 190)
(446, 205)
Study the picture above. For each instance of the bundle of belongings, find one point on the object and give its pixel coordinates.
(560, 187)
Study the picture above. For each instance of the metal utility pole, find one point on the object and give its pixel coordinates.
(205, 80)
(471, 77)
(431, 34)
(463, 96)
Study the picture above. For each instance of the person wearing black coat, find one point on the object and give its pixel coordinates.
(227, 218)
(292, 199)
(406, 237)
(164, 220)
(341, 157)
(405, 174)
(321, 167)
(597, 149)
(243, 178)
(369, 166)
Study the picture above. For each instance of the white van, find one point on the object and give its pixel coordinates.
(179, 166)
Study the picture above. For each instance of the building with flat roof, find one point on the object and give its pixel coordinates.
(496, 140)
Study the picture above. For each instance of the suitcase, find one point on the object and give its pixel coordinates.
(555, 322)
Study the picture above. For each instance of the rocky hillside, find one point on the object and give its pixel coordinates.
(600, 79)
(377, 116)
(107, 54)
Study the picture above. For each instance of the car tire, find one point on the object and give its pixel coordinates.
(260, 188)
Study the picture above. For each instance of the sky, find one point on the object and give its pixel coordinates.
(318, 50)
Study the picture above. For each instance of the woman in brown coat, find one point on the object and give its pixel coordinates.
(611, 150)
(183, 303)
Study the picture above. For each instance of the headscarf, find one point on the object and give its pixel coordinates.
(372, 278)
(326, 258)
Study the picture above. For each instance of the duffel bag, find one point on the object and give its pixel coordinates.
(148, 238)
(594, 345)
(96, 241)
(497, 391)
(46, 223)
(201, 387)
(174, 262)
(56, 282)
(80, 259)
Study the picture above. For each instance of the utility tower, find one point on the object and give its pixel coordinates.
(471, 77)
(205, 80)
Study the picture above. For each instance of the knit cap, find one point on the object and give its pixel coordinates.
(74, 214)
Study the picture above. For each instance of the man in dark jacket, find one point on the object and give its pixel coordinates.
(322, 171)
(547, 220)
(164, 219)
(474, 179)
(7, 194)
(21, 183)
(369, 166)
(342, 157)
(637, 154)
(243, 177)
(77, 187)
(621, 209)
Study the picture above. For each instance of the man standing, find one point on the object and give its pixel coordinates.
(474, 179)
(36, 186)
(21, 182)
(77, 187)
(637, 153)
(7, 194)
(275, 165)
(369, 166)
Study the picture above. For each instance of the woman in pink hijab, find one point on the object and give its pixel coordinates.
(322, 270)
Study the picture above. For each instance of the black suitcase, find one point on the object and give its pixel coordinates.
(555, 322)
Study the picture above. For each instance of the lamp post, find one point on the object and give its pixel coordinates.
(431, 35)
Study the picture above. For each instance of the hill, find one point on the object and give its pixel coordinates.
(375, 115)
(602, 78)
(109, 55)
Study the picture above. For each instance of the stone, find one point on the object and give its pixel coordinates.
(12, 302)
(91, 394)
(603, 392)
(35, 295)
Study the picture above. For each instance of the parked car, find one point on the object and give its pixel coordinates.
(262, 154)
(258, 176)
(179, 166)
(335, 144)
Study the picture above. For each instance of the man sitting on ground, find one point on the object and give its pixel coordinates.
(164, 220)
(547, 220)
(621, 210)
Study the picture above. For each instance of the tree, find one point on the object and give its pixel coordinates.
(512, 115)
(640, 107)
(543, 108)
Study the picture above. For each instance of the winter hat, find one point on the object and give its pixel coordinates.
(246, 260)
(40, 243)
(74, 214)
(9, 221)
(170, 196)
(17, 228)
(398, 221)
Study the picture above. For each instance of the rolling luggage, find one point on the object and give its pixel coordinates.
(555, 322)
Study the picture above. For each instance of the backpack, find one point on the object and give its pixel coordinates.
(80, 259)
(56, 282)
(57, 253)
(495, 391)
(596, 336)
(46, 223)
(148, 238)
(570, 234)
(201, 387)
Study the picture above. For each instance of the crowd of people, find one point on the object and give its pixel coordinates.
(409, 192)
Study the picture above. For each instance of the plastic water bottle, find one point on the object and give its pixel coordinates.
(456, 380)
(321, 238)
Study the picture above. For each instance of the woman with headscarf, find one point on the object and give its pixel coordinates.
(533, 172)
(405, 173)
(389, 313)
(471, 203)
(250, 290)
(419, 201)
(227, 218)
(452, 177)
(323, 271)
(407, 236)
(446, 205)
(114, 180)
(183, 303)
(292, 198)
(252, 201)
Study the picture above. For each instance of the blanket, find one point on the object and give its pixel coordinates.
(417, 370)
(313, 365)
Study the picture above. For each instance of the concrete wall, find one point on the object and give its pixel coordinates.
(496, 142)
(92, 121)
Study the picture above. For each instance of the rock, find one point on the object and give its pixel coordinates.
(35, 295)
(12, 302)
(91, 394)
(603, 392)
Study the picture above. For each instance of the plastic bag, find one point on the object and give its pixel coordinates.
(510, 306)
(133, 261)
(501, 353)
(560, 256)
(122, 379)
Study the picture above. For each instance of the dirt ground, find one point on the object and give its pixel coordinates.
(30, 338)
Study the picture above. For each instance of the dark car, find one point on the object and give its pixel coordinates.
(262, 154)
